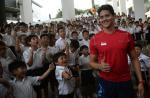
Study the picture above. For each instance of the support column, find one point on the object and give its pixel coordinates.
(2, 12)
(122, 4)
(26, 11)
(68, 10)
(115, 6)
(139, 10)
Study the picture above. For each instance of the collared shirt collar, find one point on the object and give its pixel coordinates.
(15, 80)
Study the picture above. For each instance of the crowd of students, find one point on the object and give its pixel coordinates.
(34, 56)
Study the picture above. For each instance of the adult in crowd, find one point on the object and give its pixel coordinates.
(108, 54)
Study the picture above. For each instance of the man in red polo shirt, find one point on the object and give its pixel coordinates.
(108, 54)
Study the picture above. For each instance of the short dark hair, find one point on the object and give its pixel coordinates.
(84, 31)
(31, 36)
(138, 45)
(7, 26)
(57, 55)
(1, 37)
(74, 32)
(83, 47)
(2, 44)
(44, 35)
(106, 7)
(31, 26)
(91, 35)
(16, 64)
(28, 39)
(23, 24)
(61, 27)
(74, 44)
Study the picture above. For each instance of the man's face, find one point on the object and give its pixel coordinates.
(37, 30)
(23, 28)
(32, 29)
(138, 50)
(8, 30)
(45, 40)
(75, 36)
(62, 33)
(20, 72)
(34, 41)
(86, 35)
(106, 19)
(62, 60)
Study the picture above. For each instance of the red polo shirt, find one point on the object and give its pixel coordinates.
(114, 47)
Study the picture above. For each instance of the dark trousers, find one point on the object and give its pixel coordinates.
(138, 36)
(67, 96)
(108, 89)
(146, 79)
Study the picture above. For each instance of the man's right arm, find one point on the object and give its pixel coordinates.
(94, 62)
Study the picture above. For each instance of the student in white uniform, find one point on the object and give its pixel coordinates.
(45, 54)
(145, 65)
(23, 29)
(85, 40)
(66, 82)
(8, 38)
(62, 41)
(73, 55)
(22, 84)
(87, 78)
(6, 90)
(6, 56)
(33, 61)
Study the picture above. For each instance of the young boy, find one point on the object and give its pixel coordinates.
(74, 35)
(6, 56)
(86, 73)
(64, 76)
(62, 42)
(85, 40)
(32, 61)
(22, 85)
(73, 55)
(5, 87)
(145, 65)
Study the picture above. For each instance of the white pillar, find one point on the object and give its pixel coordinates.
(68, 10)
(122, 4)
(26, 11)
(115, 6)
(139, 10)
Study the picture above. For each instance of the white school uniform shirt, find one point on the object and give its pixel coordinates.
(80, 36)
(137, 29)
(61, 43)
(131, 30)
(123, 28)
(73, 57)
(3, 91)
(22, 33)
(9, 40)
(53, 49)
(84, 42)
(24, 88)
(49, 54)
(5, 61)
(84, 61)
(36, 59)
(144, 61)
(65, 86)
